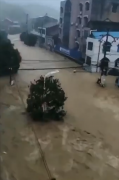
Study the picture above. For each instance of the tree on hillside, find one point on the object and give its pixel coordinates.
(46, 99)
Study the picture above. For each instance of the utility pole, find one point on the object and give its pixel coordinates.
(105, 44)
(27, 22)
(42, 26)
(10, 70)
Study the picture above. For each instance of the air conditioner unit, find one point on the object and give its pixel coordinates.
(76, 24)
(75, 38)
(72, 23)
(80, 13)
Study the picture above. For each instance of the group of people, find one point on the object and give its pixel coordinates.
(104, 67)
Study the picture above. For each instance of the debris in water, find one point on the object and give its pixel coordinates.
(4, 152)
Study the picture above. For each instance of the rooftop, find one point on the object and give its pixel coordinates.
(99, 35)
(50, 24)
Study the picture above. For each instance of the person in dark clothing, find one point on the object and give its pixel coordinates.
(104, 64)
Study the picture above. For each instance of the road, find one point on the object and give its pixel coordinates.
(84, 146)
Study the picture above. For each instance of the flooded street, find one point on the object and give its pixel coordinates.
(85, 146)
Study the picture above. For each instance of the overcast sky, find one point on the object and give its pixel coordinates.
(52, 3)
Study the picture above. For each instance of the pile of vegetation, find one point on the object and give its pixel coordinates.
(28, 39)
(46, 100)
(9, 57)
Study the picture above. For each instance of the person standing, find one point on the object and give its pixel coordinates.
(104, 65)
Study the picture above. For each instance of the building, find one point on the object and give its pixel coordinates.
(46, 29)
(75, 15)
(40, 22)
(14, 29)
(94, 49)
(8, 24)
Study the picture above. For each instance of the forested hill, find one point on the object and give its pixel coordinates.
(11, 11)
(38, 10)
(18, 12)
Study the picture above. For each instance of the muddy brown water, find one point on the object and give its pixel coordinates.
(85, 146)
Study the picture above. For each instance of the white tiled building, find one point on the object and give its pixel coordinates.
(94, 49)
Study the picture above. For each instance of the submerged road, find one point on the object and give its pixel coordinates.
(39, 58)
(85, 146)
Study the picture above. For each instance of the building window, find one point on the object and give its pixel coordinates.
(61, 10)
(86, 33)
(60, 30)
(114, 7)
(118, 48)
(87, 6)
(88, 60)
(81, 7)
(78, 33)
(90, 46)
(79, 20)
(43, 31)
(85, 21)
(117, 63)
(60, 20)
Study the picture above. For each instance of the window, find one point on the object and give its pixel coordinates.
(90, 46)
(118, 48)
(60, 20)
(114, 7)
(88, 60)
(61, 10)
(39, 30)
(81, 7)
(86, 33)
(80, 20)
(87, 6)
(78, 33)
(85, 21)
(117, 63)
(43, 31)
(60, 30)
(76, 45)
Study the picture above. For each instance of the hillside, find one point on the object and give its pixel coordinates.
(18, 12)
(11, 11)
(35, 10)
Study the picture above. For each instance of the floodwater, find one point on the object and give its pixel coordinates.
(84, 146)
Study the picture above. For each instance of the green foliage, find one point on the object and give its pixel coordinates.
(9, 57)
(46, 100)
(23, 36)
(28, 39)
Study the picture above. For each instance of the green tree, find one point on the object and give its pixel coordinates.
(46, 99)
(9, 57)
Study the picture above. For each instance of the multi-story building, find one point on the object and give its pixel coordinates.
(75, 16)
(45, 28)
